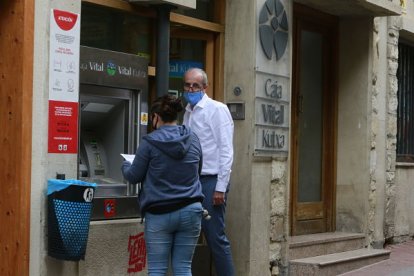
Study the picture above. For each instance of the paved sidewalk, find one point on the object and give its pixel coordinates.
(400, 263)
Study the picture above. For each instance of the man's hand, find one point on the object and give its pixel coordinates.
(218, 198)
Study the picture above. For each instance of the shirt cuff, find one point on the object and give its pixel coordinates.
(221, 186)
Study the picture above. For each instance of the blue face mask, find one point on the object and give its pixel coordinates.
(193, 97)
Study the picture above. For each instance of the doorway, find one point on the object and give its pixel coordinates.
(314, 89)
(196, 46)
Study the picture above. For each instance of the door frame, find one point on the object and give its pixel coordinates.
(303, 18)
(213, 34)
(208, 38)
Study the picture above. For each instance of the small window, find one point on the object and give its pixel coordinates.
(405, 123)
(115, 30)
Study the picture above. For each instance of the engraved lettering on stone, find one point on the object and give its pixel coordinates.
(273, 115)
(272, 140)
(273, 90)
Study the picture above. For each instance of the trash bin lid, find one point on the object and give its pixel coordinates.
(54, 185)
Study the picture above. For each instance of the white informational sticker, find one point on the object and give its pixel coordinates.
(144, 118)
(64, 56)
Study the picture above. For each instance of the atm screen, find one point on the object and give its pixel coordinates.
(106, 131)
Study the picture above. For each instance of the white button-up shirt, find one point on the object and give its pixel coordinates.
(213, 124)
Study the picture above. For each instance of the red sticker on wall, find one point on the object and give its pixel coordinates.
(65, 20)
(109, 208)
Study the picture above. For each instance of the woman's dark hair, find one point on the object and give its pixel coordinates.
(167, 107)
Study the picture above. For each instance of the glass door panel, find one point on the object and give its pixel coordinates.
(310, 118)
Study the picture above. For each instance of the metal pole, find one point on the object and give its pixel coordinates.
(163, 49)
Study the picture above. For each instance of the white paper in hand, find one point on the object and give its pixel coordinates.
(128, 157)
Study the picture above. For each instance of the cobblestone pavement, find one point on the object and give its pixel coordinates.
(400, 263)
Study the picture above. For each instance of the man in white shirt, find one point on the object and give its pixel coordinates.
(213, 124)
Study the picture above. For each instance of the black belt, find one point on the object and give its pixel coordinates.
(208, 175)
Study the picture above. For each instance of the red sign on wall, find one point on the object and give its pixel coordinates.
(65, 20)
(63, 127)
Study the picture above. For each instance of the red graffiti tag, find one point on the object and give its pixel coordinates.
(137, 253)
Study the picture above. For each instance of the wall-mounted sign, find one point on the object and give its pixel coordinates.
(64, 56)
(273, 29)
(63, 127)
(272, 140)
(271, 113)
(63, 82)
(179, 67)
(272, 108)
(104, 67)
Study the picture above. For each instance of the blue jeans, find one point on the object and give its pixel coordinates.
(174, 235)
(213, 229)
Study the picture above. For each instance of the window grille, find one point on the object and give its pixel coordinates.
(405, 119)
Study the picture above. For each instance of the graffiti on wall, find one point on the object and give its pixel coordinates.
(137, 253)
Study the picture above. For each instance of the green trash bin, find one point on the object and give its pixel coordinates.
(69, 212)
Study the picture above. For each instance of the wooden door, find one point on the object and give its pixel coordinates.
(313, 121)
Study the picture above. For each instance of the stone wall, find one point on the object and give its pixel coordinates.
(403, 190)
(394, 25)
(383, 131)
(375, 121)
(278, 218)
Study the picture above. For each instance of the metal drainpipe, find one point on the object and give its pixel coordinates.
(163, 49)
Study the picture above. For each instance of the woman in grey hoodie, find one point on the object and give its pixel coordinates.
(167, 163)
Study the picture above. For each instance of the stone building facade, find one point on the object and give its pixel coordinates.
(314, 89)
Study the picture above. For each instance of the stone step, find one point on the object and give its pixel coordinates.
(324, 243)
(337, 263)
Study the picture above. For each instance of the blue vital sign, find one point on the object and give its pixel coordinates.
(179, 67)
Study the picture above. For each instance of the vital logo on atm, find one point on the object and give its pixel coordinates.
(110, 68)
(99, 67)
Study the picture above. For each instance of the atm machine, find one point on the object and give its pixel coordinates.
(113, 107)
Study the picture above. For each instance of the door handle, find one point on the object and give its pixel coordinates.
(300, 104)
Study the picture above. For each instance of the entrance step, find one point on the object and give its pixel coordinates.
(337, 263)
(324, 243)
